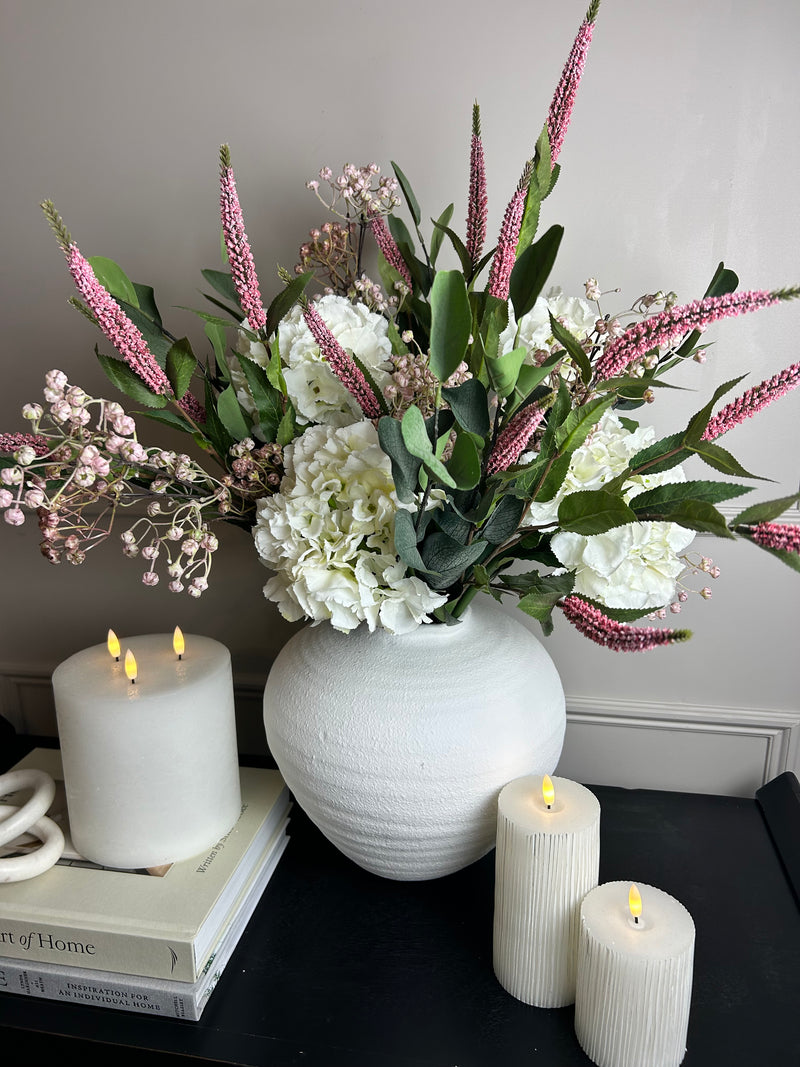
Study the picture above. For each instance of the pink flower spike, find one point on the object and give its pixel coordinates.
(243, 271)
(660, 329)
(505, 255)
(592, 623)
(563, 101)
(391, 253)
(342, 364)
(783, 536)
(10, 442)
(478, 200)
(751, 401)
(511, 442)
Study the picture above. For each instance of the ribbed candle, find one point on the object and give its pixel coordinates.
(546, 862)
(634, 983)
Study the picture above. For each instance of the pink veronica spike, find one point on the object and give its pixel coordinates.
(660, 329)
(391, 253)
(563, 102)
(505, 255)
(783, 536)
(243, 270)
(752, 401)
(511, 442)
(592, 623)
(342, 364)
(478, 200)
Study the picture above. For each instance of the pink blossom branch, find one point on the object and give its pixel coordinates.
(660, 329)
(391, 253)
(478, 200)
(752, 401)
(240, 257)
(563, 101)
(512, 441)
(784, 536)
(592, 623)
(10, 442)
(505, 255)
(341, 363)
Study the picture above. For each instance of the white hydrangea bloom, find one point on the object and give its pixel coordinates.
(315, 391)
(604, 454)
(533, 331)
(633, 566)
(329, 536)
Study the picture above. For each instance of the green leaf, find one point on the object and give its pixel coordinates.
(766, 511)
(127, 382)
(181, 365)
(504, 370)
(374, 387)
(652, 501)
(169, 418)
(470, 405)
(416, 440)
(146, 301)
(405, 541)
(206, 317)
(532, 270)
(543, 162)
(268, 401)
(724, 281)
(234, 314)
(451, 323)
(222, 283)
(721, 460)
(285, 301)
(287, 427)
(661, 456)
(408, 193)
(545, 594)
(153, 333)
(593, 511)
(438, 232)
(230, 414)
(791, 559)
(697, 515)
(446, 559)
(530, 217)
(464, 464)
(216, 336)
(578, 424)
(458, 245)
(572, 346)
(405, 467)
(113, 278)
(503, 521)
(216, 432)
(697, 424)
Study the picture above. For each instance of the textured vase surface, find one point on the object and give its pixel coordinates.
(397, 747)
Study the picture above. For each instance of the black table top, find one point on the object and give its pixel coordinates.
(340, 968)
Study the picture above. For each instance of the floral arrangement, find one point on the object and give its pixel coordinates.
(397, 447)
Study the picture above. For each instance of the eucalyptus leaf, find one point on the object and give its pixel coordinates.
(469, 404)
(405, 541)
(446, 559)
(532, 270)
(503, 521)
(464, 464)
(405, 467)
(451, 323)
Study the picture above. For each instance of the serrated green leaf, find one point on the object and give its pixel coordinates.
(438, 232)
(287, 427)
(113, 278)
(578, 424)
(153, 334)
(593, 511)
(766, 511)
(285, 301)
(405, 467)
(532, 270)
(181, 365)
(791, 559)
(545, 594)
(661, 456)
(169, 418)
(451, 323)
(697, 515)
(697, 424)
(652, 501)
(530, 217)
(123, 378)
(721, 460)
(267, 399)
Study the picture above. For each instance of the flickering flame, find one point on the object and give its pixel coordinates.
(178, 642)
(635, 902)
(113, 644)
(548, 791)
(130, 665)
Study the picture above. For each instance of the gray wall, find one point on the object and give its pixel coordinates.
(683, 152)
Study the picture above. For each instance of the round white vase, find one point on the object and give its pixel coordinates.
(397, 747)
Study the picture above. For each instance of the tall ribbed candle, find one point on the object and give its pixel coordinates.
(546, 861)
(634, 979)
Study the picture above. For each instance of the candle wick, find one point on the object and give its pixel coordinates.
(636, 919)
(180, 655)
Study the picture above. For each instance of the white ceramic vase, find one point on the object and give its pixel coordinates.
(397, 747)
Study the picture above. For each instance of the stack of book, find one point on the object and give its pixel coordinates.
(151, 941)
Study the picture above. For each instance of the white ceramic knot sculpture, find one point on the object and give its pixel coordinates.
(30, 818)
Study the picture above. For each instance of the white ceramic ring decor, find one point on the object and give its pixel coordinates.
(397, 747)
(44, 791)
(20, 868)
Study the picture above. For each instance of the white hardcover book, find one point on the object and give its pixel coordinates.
(136, 993)
(160, 923)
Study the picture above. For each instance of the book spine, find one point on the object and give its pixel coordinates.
(118, 992)
(95, 950)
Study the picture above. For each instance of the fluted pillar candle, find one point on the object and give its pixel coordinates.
(634, 978)
(547, 860)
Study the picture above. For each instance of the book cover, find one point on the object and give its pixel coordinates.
(136, 993)
(160, 923)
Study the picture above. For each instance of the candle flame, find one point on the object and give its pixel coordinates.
(130, 665)
(178, 642)
(635, 902)
(113, 644)
(548, 790)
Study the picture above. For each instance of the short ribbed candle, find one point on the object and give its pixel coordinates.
(634, 982)
(546, 862)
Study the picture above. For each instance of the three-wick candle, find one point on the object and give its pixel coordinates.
(548, 857)
(148, 746)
